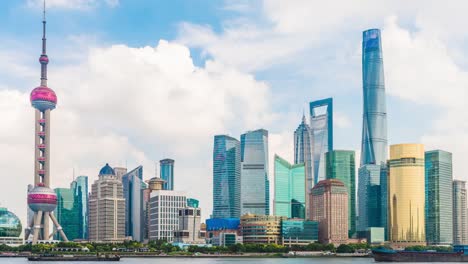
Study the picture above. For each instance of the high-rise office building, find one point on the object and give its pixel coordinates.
(255, 185)
(321, 125)
(119, 172)
(290, 193)
(372, 206)
(80, 186)
(406, 195)
(72, 209)
(303, 154)
(67, 212)
(42, 200)
(226, 177)
(374, 126)
(460, 230)
(133, 193)
(329, 207)
(154, 184)
(107, 208)
(167, 173)
(164, 209)
(439, 197)
(340, 164)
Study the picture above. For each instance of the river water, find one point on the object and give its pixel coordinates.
(212, 260)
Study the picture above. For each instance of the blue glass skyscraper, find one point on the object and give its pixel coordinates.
(374, 126)
(321, 125)
(133, 193)
(226, 177)
(439, 197)
(255, 185)
(80, 186)
(167, 173)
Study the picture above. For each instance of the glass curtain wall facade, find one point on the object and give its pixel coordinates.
(372, 206)
(80, 187)
(439, 197)
(321, 125)
(303, 154)
(226, 177)
(374, 126)
(340, 165)
(460, 230)
(133, 188)
(290, 195)
(299, 232)
(406, 195)
(255, 185)
(167, 173)
(67, 213)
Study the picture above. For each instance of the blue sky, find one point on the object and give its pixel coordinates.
(139, 81)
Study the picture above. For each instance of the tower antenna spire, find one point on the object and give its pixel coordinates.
(44, 60)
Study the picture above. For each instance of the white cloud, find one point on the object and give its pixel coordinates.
(135, 105)
(72, 4)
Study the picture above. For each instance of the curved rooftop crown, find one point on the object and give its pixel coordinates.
(107, 170)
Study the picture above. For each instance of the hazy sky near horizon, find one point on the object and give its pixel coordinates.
(139, 81)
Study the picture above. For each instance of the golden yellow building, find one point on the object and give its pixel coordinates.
(406, 195)
(261, 229)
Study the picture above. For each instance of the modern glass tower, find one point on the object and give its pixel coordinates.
(321, 125)
(80, 187)
(167, 173)
(372, 205)
(290, 195)
(226, 177)
(303, 154)
(341, 165)
(406, 195)
(67, 212)
(374, 126)
(255, 185)
(460, 230)
(133, 194)
(439, 197)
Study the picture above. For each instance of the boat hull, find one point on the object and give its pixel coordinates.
(411, 256)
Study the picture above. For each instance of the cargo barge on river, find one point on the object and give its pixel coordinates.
(51, 257)
(459, 254)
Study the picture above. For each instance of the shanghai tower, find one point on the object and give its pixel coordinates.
(374, 127)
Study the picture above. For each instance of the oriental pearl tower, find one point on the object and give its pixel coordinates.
(42, 199)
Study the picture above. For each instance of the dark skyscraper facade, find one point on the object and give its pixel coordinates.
(374, 127)
(226, 177)
(167, 173)
(321, 125)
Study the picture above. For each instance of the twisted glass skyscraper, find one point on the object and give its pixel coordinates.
(374, 127)
(226, 177)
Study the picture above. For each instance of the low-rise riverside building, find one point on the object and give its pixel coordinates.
(299, 232)
(261, 229)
